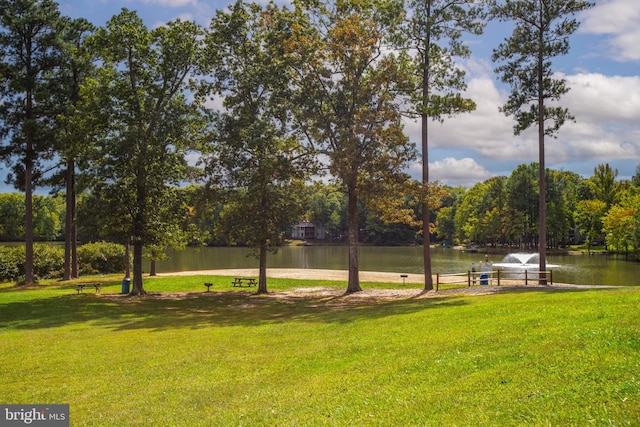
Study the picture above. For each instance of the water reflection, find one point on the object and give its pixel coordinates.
(579, 269)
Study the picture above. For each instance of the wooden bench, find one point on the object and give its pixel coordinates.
(242, 281)
(81, 286)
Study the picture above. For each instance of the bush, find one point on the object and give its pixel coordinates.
(101, 257)
(48, 260)
(10, 261)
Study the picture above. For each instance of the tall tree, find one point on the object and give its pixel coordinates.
(258, 156)
(178, 228)
(29, 32)
(635, 179)
(588, 217)
(445, 219)
(434, 29)
(325, 207)
(559, 199)
(11, 217)
(470, 213)
(479, 216)
(349, 84)
(140, 94)
(618, 225)
(623, 219)
(604, 184)
(541, 32)
(522, 199)
(76, 64)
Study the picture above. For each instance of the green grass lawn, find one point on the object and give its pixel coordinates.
(234, 358)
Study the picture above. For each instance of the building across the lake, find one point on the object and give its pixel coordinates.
(308, 231)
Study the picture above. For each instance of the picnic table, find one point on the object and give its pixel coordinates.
(244, 281)
(81, 286)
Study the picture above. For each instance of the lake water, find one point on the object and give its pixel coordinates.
(577, 269)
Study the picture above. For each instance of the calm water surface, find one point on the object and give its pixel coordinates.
(578, 269)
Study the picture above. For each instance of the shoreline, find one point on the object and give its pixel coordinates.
(306, 274)
(365, 276)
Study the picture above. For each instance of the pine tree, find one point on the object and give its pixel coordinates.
(29, 42)
(434, 30)
(541, 32)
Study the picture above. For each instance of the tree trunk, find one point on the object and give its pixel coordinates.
(70, 233)
(262, 274)
(29, 275)
(139, 225)
(152, 268)
(354, 277)
(426, 235)
(127, 260)
(75, 264)
(137, 289)
(542, 204)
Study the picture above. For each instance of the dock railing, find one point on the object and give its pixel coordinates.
(498, 277)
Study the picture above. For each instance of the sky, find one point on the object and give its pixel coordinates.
(602, 70)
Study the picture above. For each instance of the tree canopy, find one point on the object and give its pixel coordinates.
(148, 125)
(256, 155)
(29, 39)
(348, 85)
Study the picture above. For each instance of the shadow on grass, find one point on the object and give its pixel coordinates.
(201, 310)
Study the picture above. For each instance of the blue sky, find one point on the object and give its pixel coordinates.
(602, 69)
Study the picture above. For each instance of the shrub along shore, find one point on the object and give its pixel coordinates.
(93, 258)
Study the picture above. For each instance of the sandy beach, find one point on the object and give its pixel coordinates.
(304, 273)
(402, 292)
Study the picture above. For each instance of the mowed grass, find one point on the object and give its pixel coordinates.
(233, 358)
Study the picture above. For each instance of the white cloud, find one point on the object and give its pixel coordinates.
(186, 17)
(465, 172)
(486, 131)
(606, 110)
(618, 19)
(605, 149)
(597, 98)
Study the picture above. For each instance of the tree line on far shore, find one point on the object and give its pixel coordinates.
(499, 212)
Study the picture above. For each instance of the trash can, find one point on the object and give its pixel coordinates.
(484, 279)
(126, 285)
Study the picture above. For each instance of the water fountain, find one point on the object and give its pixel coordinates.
(521, 260)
